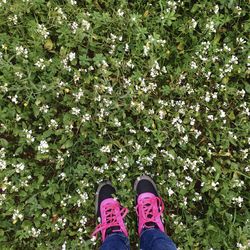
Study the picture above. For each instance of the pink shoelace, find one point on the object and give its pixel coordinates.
(111, 219)
(146, 210)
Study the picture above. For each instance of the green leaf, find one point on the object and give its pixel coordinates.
(4, 143)
(211, 227)
(166, 89)
(68, 144)
(40, 179)
(247, 87)
(48, 44)
(231, 115)
(217, 202)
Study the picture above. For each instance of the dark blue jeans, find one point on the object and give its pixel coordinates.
(151, 239)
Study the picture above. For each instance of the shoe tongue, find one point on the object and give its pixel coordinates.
(111, 230)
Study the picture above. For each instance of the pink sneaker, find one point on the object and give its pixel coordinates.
(109, 211)
(149, 206)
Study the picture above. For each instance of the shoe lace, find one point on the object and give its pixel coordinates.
(111, 218)
(146, 209)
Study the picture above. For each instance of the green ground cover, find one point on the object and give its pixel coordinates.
(105, 89)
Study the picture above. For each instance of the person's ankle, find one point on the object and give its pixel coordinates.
(112, 230)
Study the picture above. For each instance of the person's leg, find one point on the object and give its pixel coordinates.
(149, 209)
(111, 216)
(155, 239)
(116, 241)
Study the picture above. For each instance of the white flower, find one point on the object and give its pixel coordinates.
(207, 97)
(241, 93)
(215, 185)
(16, 215)
(234, 60)
(238, 183)
(185, 139)
(240, 40)
(222, 113)
(192, 121)
(43, 147)
(86, 117)
(62, 175)
(117, 123)
(193, 23)
(64, 245)
(68, 128)
(21, 51)
(42, 30)
(211, 26)
(170, 192)
(2, 153)
(72, 56)
(40, 64)
(132, 131)
(3, 164)
(28, 135)
(214, 95)
(210, 117)
(65, 66)
(44, 109)
(53, 124)
(19, 75)
(130, 64)
(72, 2)
(238, 200)
(13, 99)
(3, 2)
(35, 232)
(84, 196)
(197, 133)
(185, 201)
(74, 27)
(216, 9)
(193, 65)
(19, 167)
(61, 15)
(83, 220)
(75, 111)
(126, 47)
(120, 12)
(78, 95)
(4, 88)
(238, 9)
(146, 49)
(188, 178)
(226, 48)
(85, 24)
(105, 149)
(13, 19)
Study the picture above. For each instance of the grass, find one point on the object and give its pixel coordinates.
(94, 90)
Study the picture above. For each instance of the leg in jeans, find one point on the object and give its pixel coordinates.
(111, 215)
(149, 209)
(155, 239)
(116, 241)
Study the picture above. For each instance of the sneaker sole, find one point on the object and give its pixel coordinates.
(98, 191)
